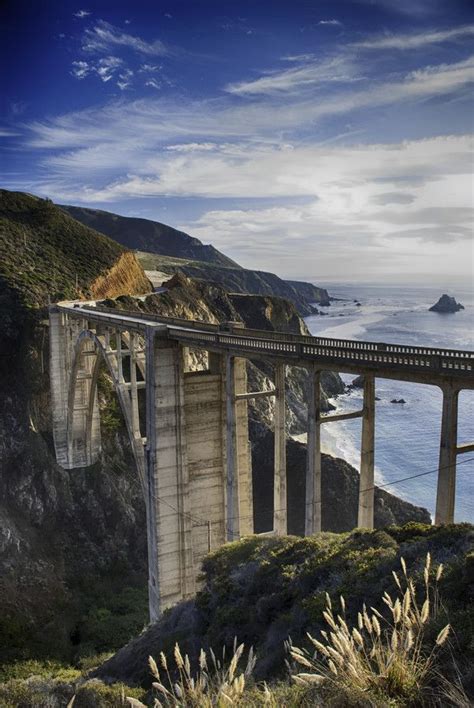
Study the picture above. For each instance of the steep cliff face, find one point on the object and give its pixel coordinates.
(64, 536)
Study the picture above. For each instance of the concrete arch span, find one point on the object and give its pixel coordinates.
(83, 418)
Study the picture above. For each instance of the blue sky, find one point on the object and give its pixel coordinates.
(321, 140)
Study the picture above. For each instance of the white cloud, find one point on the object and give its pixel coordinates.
(81, 14)
(104, 68)
(124, 80)
(333, 23)
(416, 41)
(7, 132)
(154, 83)
(311, 73)
(166, 120)
(107, 67)
(105, 36)
(81, 69)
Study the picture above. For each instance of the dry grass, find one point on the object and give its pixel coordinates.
(381, 658)
(216, 683)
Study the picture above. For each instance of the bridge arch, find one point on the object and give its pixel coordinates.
(83, 418)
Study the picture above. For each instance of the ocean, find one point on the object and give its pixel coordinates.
(407, 435)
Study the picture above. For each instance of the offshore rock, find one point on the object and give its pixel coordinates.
(446, 304)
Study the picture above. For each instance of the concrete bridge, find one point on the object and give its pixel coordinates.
(189, 430)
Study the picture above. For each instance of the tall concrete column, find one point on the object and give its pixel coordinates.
(133, 386)
(366, 478)
(446, 493)
(232, 478)
(59, 377)
(243, 454)
(169, 525)
(279, 477)
(313, 460)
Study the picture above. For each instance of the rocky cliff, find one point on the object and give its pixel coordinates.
(242, 280)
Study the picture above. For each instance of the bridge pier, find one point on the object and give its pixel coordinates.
(238, 503)
(446, 491)
(313, 460)
(170, 562)
(366, 477)
(279, 477)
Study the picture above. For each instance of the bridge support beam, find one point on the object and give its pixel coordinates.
(238, 504)
(169, 524)
(367, 458)
(446, 492)
(313, 459)
(60, 362)
(279, 484)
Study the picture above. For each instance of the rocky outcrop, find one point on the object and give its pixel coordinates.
(125, 276)
(311, 293)
(446, 304)
(243, 280)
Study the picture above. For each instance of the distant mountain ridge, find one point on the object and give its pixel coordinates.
(205, 262)
(146, 235)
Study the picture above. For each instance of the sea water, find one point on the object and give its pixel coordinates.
(407, 434)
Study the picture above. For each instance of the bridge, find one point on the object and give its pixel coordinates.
(189, 429)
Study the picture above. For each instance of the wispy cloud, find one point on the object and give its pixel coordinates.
(104, 36)
(331, 23)
(7, 132)
(310, 73)
(124, 80)
(105, 68)
(225, 119)
(81, 69)
(416, 41)
(82, 13)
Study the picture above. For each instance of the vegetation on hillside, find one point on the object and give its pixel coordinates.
(147, 235)
(263, 590)
(47, 255)
(389, 614)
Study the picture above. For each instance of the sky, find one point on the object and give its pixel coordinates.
(327, 141)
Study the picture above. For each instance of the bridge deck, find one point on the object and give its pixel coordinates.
(396, 361)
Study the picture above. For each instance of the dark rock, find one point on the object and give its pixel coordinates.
(358, 382)
(446, 304)
(398, 400)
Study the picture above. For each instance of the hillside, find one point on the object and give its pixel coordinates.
(241, 280)
(163, 246)
(146, 235)
(44, 253)
(264, 590)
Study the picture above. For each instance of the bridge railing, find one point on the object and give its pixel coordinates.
(346, 344)
(430, 359)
